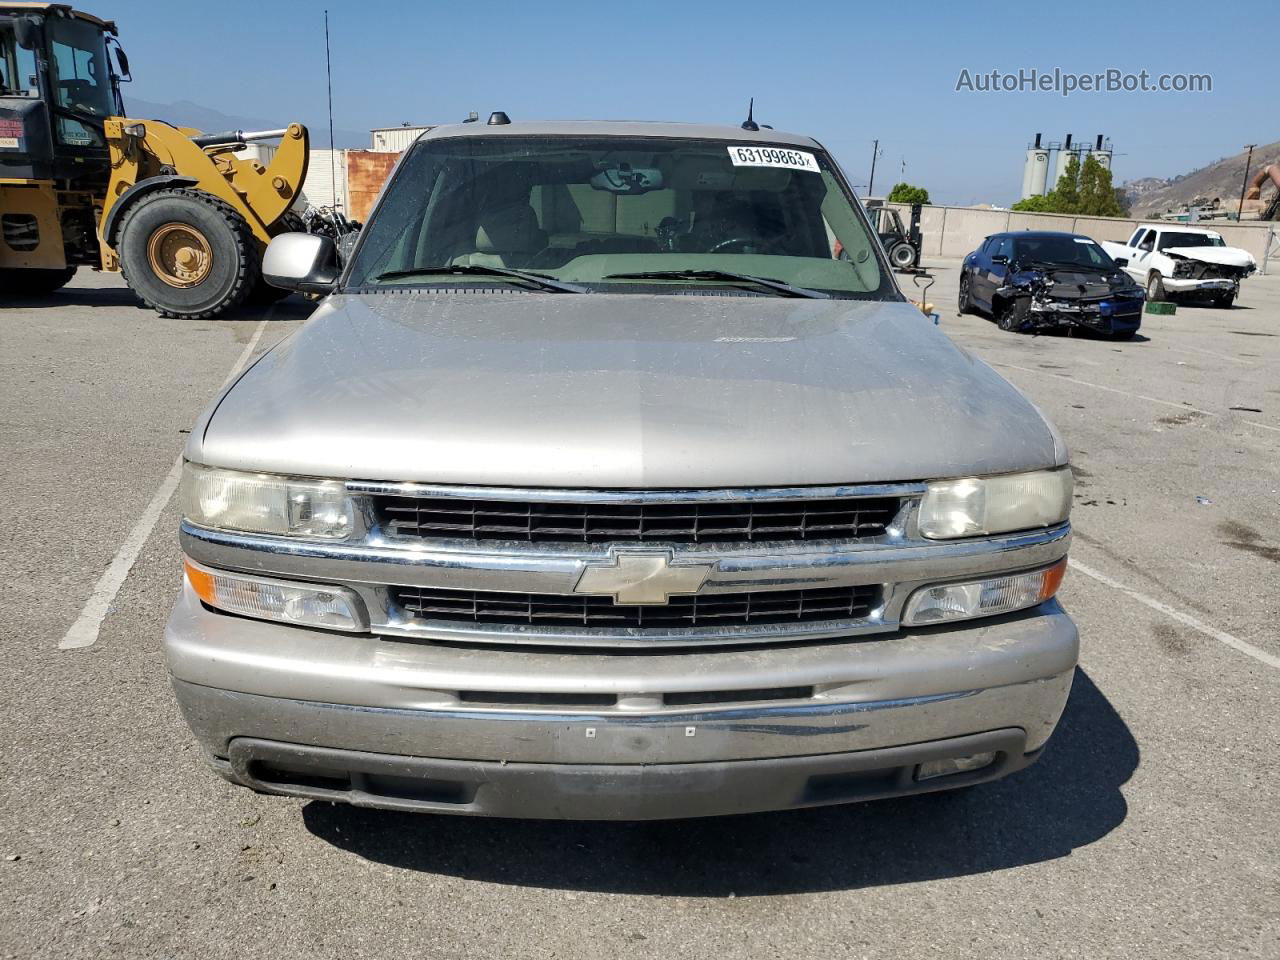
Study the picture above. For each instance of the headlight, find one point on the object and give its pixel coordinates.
(982, 505)
(301, 604)
(264, 503)
(982, 598)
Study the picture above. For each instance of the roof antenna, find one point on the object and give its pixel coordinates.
(749, 124)
(328, 74)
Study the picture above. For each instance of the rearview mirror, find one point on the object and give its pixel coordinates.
(624, 178)
(122, 61)
(1122, 261)
(999, 258)
(305, 262)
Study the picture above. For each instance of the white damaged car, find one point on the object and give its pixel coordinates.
(1176, 258)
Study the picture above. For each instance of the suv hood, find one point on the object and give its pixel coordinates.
(621, 390)
(1227, 256)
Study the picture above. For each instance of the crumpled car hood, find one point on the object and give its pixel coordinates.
(1071, 283)
(1228, 256)
(621, 391)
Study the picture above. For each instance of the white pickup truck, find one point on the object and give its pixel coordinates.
(1175, 258)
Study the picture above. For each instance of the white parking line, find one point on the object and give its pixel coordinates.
(1248, 649)
(84, 632)
(1126, 393)
(1192, 351)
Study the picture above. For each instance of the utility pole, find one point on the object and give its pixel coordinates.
(875, 151)
(1245, 186)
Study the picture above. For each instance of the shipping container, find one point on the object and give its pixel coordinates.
(367, 171)
(394, 139)
(323, 169)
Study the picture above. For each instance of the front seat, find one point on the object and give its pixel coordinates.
(506, 236)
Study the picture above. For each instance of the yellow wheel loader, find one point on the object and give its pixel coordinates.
(176, 211)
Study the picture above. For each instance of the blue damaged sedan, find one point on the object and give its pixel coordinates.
(1030, 281)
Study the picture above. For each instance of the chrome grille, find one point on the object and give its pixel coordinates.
(748, 521)
(756, 607)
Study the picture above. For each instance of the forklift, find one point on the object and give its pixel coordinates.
(901, 245)
(183, 217)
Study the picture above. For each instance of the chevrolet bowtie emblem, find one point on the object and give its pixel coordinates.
(637, 576)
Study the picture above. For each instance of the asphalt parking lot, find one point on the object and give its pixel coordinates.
(1149, 828)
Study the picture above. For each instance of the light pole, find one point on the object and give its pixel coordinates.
(1245, 186)
(875, 151)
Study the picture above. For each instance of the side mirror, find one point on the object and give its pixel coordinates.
(26, 33)
(122, 61)
(1122, 261)
(999, 258)
(305, 262)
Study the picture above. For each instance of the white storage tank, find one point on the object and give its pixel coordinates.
(1035, 171)
(394, 139)
(1065, 153)
(1102, 152)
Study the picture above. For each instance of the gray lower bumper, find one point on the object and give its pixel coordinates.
(364, 712)
(610, 791)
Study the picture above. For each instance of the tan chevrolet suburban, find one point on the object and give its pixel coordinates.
(615, 478)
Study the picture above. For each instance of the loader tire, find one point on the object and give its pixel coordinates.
(34, 283)
(187, 254)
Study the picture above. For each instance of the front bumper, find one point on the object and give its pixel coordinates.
(1191, 285)
(1107, 316)
(486, 731)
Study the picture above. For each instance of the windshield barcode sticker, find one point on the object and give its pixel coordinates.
(773, 157)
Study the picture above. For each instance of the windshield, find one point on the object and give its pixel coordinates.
(1181, 239)
(80, 78)
(1062, 251)
(17, 66)
(585, 209)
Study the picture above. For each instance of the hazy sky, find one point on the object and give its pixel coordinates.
(845, 72)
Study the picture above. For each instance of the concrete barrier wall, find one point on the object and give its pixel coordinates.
(957, 231)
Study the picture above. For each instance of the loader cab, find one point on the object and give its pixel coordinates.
(57, 87)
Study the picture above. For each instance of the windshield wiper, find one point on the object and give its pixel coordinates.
(741, 279)
(540, 280)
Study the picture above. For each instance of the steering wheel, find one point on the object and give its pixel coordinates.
(764, 246)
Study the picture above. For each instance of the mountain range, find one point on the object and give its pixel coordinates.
(1220, 180)
(184, 113)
